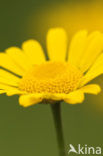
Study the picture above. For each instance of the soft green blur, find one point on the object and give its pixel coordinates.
(30, 131)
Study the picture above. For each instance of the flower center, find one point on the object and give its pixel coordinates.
(51, 77)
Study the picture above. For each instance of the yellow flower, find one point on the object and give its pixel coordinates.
(64, 77)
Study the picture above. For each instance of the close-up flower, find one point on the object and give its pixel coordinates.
(51, 77)
(63, 77)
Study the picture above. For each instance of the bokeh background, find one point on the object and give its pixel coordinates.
(30, 131)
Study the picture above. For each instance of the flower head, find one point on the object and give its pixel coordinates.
(63, 77)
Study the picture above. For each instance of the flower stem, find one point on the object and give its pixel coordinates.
(56, 111)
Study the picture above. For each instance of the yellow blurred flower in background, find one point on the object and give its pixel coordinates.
(73, 16)
(64, 77)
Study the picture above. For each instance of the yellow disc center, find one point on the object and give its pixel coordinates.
(51, 77)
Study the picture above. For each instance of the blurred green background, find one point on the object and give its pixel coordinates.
(30, 131)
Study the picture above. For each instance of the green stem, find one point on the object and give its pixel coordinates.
(56, 111)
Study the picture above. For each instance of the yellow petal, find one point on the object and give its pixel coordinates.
(57, 44)
(55, 96)
(8, 63)
(34, 51)
(6, 75)
(10, 90)
(7, 87)
(75, 97)
(19, 57)
(92, 51)
(77, 47)
(8, 82)
(28, 100)
(2, 91)
(95, 70)
(8, 78)
(91, 89)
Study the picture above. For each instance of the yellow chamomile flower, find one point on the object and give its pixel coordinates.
(63, 77)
